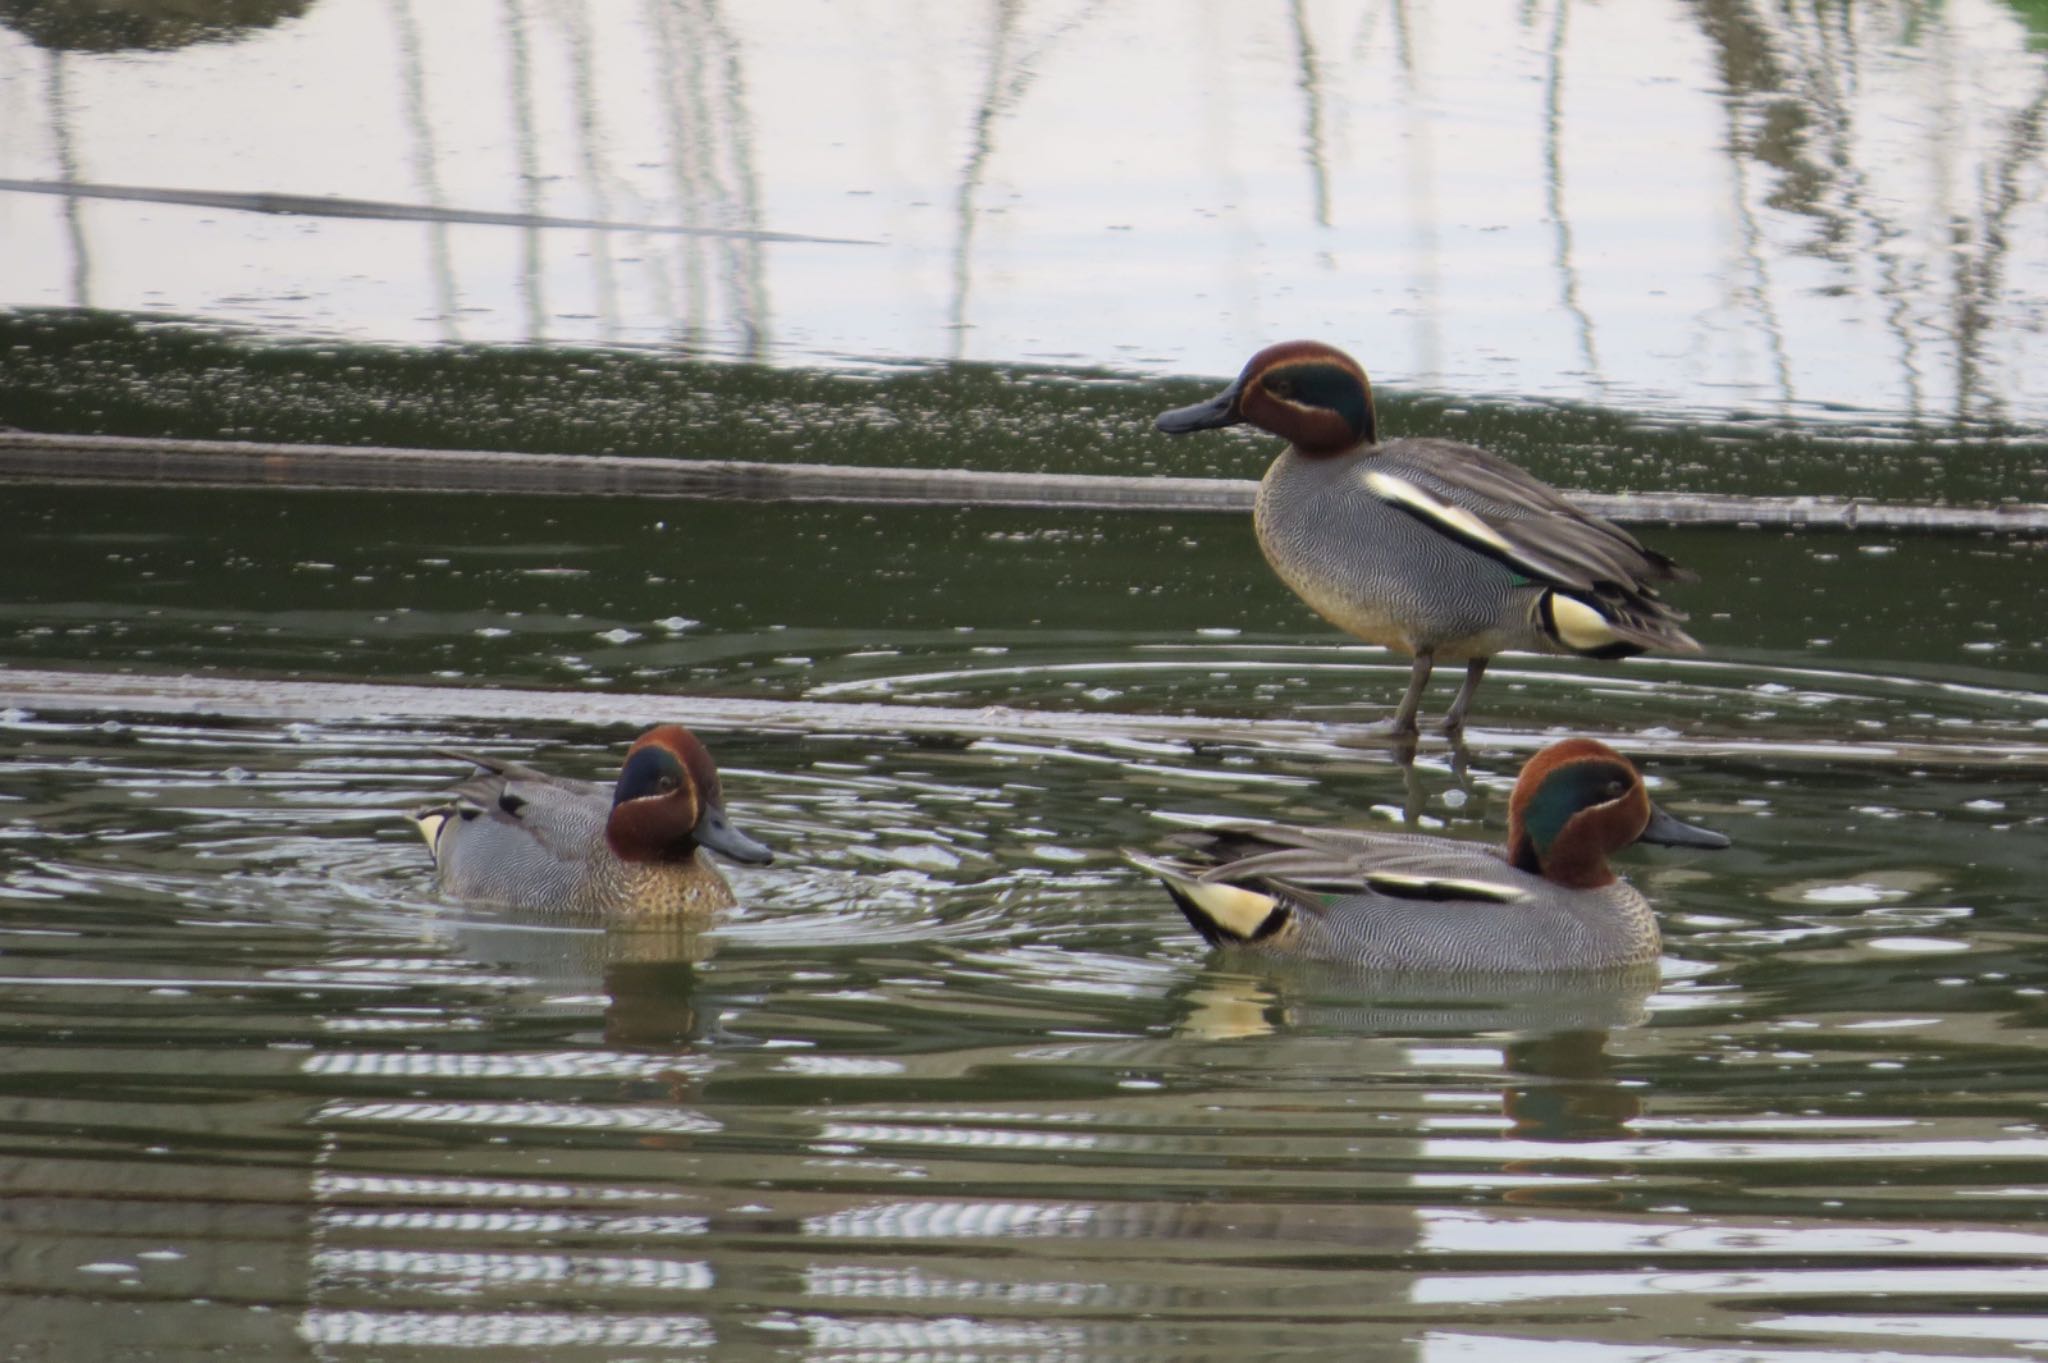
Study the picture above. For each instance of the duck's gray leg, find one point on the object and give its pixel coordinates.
(1454, 719)
(1418, 681)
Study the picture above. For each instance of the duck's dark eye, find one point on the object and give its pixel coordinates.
(666, 784)
(1280, 386)
(1616, 789)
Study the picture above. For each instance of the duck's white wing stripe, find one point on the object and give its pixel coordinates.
(1467, 529)
(1440, 887)
(1455, 519)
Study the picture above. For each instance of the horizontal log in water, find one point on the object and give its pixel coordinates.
(27, 456)
(1137, 737)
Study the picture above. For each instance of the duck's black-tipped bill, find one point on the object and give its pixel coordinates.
(1220, 410)
(716, 832)
(1666, 831)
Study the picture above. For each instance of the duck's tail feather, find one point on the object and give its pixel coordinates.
(1616, 626)
(432, 821)
(1223, 912)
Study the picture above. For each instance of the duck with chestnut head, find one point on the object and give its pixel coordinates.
(522, 838)
(1548, 900)
(1432, 547)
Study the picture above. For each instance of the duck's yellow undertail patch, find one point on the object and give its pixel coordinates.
(1234, 909)
(430, 822)
(1579, 626)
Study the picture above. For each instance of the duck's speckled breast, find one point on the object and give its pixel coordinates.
(571, 870)
(664, 889)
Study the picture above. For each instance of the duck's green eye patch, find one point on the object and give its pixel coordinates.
(650, 771)
(1564, 792)
(1328, 386)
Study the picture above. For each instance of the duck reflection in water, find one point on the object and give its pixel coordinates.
(1545, 1035)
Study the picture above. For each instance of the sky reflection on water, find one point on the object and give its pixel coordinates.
(1658, 204)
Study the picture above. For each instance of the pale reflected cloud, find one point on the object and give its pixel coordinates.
(394, 972)
(329, 1186)
(1472, 1289)
(2031, 1330)
(1458, 1231)
(1704, 1150)
(839, 1066)
(1444, 1346)
(537, 1116)
(914, 1283)
(452, 1272)
(943, 1335)
(476, 1065)
(478, 1330)
(975, 1138)
(1712, 207)
(953, 1220)
(517, 1223)
(419, 1022)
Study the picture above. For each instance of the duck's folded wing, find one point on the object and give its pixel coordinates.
(1497, 509)
(1305, 891)
(532, 811)
(1318, 861)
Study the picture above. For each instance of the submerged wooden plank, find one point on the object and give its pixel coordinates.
(27, 456)
(31, 457)
(54, 692)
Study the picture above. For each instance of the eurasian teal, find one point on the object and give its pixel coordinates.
(1406, 901)
(519, 837)
(1436, 548)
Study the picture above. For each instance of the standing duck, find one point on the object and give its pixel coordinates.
(1405, 901)
(515, 836)
(1432, 547)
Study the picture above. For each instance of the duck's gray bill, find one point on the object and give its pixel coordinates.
(1220, 410)
(1666, 831)
(716, 832)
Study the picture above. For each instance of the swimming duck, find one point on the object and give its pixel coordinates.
(519, 837)
(1433, 547)
(1405, 901)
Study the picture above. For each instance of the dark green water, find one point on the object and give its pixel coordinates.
(957, 1082)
